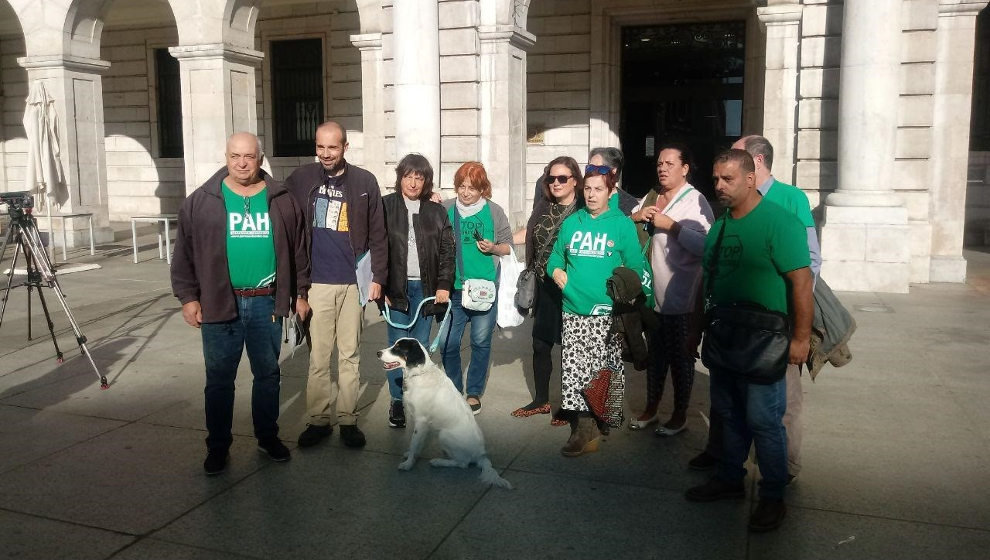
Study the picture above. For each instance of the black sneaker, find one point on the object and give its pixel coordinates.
(397, 415)
(351, 436)
(216, 462)
(275, 450)
(476, 407)
(769, 514)
(314, 434)
(702, 462)
(716, 489)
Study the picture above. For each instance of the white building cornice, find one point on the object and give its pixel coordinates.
(77, 63)
(218, 50)
(960, 7)
(367, 41)
(514, 35)
(780, 14)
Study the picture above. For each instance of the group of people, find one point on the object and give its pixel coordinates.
(250, 251)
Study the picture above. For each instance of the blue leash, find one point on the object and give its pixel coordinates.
(436, 340)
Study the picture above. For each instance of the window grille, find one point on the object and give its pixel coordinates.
(169, 105)
(297, 95)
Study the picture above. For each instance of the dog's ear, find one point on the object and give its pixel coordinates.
(412, 351)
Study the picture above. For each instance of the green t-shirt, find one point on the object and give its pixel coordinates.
(756, 251)
(793, 200)
(476, 264)
(250, 240)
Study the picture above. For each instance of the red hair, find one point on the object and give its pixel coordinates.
(474, 172)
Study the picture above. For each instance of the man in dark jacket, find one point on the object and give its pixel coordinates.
(240, 264)
(349, 253)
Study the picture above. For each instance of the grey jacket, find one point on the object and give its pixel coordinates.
(831, 329)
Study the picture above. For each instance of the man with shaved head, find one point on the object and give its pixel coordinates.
(345, 223)
(240, 266)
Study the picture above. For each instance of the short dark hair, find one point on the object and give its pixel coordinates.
(741, 157)
(613, 158)
(610, 180)
(687, 157)
(573, 167)
(417, 165)
(760, 146)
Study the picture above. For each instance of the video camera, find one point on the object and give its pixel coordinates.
(19, 203)
(18, 200)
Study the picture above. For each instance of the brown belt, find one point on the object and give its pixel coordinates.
(252, 292)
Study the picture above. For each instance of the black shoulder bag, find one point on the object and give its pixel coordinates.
(745, 338)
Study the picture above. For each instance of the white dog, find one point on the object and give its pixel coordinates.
(434, 404)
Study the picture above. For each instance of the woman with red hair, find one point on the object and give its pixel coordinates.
(481, 235)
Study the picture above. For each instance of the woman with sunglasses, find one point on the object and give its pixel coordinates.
(560, 197)
(420, 262)
(591, 244)
(482, 235)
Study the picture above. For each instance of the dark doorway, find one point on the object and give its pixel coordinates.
(680, 83)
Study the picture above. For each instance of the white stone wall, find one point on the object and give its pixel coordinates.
(559, 74)
(13, 92)
(138, 180)
(333, 23)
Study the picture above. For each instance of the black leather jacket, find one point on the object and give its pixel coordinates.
(434, 243)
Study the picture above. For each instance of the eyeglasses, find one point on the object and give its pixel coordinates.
(247, 206)
(603, 169)
(551, 179)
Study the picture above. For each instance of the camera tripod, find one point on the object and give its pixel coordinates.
(24, 234)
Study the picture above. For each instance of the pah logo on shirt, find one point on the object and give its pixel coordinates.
(249, 225)
(588, 244)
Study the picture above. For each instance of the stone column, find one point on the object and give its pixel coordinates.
(502, 132)
(76, 84)
(218, 99)
(783, 32)
(372, 105)
(864, 241)
(954, 43)
(416, 62)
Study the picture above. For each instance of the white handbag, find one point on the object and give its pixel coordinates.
(478, 294)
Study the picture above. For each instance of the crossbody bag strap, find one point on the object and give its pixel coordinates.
(712, 265)
(457, 249)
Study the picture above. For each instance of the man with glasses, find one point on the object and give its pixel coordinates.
(240, 265)
(346, 226)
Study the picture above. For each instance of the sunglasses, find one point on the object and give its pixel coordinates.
(603, 169)
(551, 179)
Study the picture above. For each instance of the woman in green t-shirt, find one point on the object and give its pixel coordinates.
(476, 221)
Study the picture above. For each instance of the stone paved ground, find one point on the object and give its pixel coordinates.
(896, 452)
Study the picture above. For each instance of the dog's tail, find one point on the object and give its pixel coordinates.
(490, 476)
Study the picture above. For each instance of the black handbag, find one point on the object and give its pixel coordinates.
(526, 288)
(745, 338)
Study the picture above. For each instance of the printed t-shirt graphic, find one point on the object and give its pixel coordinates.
(250, 244)
(333, 258)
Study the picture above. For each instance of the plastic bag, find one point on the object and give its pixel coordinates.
(508, 314)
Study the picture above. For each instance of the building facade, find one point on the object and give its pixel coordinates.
(147, 91)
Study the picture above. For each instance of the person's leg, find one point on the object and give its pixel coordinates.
(765, 407)
(350, 323)
(451, 341)
(575, 363)
(482, 329)
(322, 335)
(542, 369)
(656, 376)
(421, 328)
(675, 332)
(394, 334)
(223, 344)
(263, 339)
(729, 401)
(793, 422)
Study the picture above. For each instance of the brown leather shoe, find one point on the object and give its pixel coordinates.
(584, 438)
(769, 514)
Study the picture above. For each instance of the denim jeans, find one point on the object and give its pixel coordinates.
(257, 329)
(482, 327)
(751, 413)
(420, 330)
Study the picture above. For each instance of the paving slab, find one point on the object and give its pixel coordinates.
(29, 537)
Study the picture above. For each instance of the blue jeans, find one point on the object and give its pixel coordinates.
(223, 343)
(482, 327)
(751, 413)
(420, 330)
